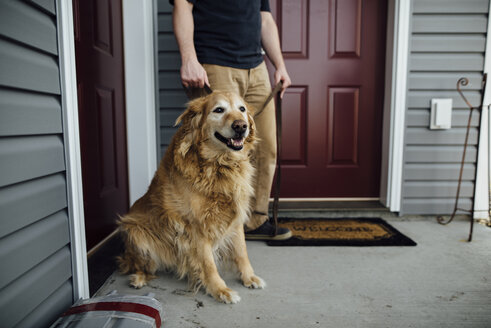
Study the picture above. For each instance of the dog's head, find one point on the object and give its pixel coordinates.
(221, 122)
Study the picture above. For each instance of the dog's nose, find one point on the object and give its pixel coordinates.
(239, 126)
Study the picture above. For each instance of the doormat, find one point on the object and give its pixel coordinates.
(341, 232)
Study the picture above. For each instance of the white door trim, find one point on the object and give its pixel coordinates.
(68, 81)
(138, 37)
(396, 70)
(483, 182)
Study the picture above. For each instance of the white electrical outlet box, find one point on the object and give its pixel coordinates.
(441, 114)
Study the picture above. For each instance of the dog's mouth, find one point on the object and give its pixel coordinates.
(236, 143)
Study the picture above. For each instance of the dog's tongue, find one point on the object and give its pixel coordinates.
(236, 142)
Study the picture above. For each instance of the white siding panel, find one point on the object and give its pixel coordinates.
(164, 6)
(454, 136)
(168, 41)
(169, 61)
(25, 24)
(165, 23)
(168, 117)
(25, 203)
(422, 99)
(46, 5)
(22, 296)
(435, 206)
(448, 43)
(35, 274)
(438, 154)
(450, 6)
(438, 171)
(30, 157)
(443, 62)
(25, 68)
(52, 232)
(460, 117)
(449, 24)
(443, 81)
(173, 99)
(170, 81)
(437, 189)
(25, 113)
(49, 310)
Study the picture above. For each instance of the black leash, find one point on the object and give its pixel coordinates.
(276, 196)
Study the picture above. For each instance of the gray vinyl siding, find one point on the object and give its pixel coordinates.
(447, 42)
(35, 256)
(172, 98)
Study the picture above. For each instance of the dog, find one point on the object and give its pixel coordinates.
(194, 211)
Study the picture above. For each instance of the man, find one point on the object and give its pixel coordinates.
(221, 46)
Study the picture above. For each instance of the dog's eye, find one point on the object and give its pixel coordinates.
(242, 108)
(218, 110)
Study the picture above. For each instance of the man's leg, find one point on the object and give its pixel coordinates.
(257, 92)
(229, 79)
(254, 86)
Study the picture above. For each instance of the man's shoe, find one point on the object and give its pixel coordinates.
(266, 232)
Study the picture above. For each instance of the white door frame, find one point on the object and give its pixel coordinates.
(396, 70)
(483, 182)
(138, 29)
(68, 81)
(139, 68)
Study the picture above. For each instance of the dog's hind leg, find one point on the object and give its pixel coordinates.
(138, 262)
(142, 267)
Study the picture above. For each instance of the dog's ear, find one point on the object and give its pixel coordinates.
(192, 115)
(190, 120)
(252, 125)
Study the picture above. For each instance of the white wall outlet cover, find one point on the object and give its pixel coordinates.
(441, 114)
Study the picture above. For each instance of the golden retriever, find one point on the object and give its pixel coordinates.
(195, 208)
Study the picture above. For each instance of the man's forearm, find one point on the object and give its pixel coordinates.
(271, 40)
(184, 29)
(271, 44)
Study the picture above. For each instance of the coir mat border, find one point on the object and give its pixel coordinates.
(397, 238)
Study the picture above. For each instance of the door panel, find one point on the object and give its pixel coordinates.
(345, 30)
(295, 118)
(342, 139)
(294, 36)
(332, 119)
(100, 77)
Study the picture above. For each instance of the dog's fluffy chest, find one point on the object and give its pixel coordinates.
(225, 189)
(215, 198)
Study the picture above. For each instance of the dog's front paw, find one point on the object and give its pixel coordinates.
(227, 295)
(253, 282)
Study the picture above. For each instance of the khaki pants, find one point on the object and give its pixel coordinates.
(254, 86)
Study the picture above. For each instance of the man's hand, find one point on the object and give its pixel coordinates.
(282, 75)
(193, 74)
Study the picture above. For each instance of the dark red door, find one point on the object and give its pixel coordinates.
(332, 119)
(99, 57)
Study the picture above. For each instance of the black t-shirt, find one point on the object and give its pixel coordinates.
(228, 32)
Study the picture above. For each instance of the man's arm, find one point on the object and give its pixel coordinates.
(192, 73)
(271, 44)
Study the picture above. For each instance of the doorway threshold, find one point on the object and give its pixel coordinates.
(330, 204)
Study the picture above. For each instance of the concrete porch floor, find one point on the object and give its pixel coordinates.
(442, 282)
